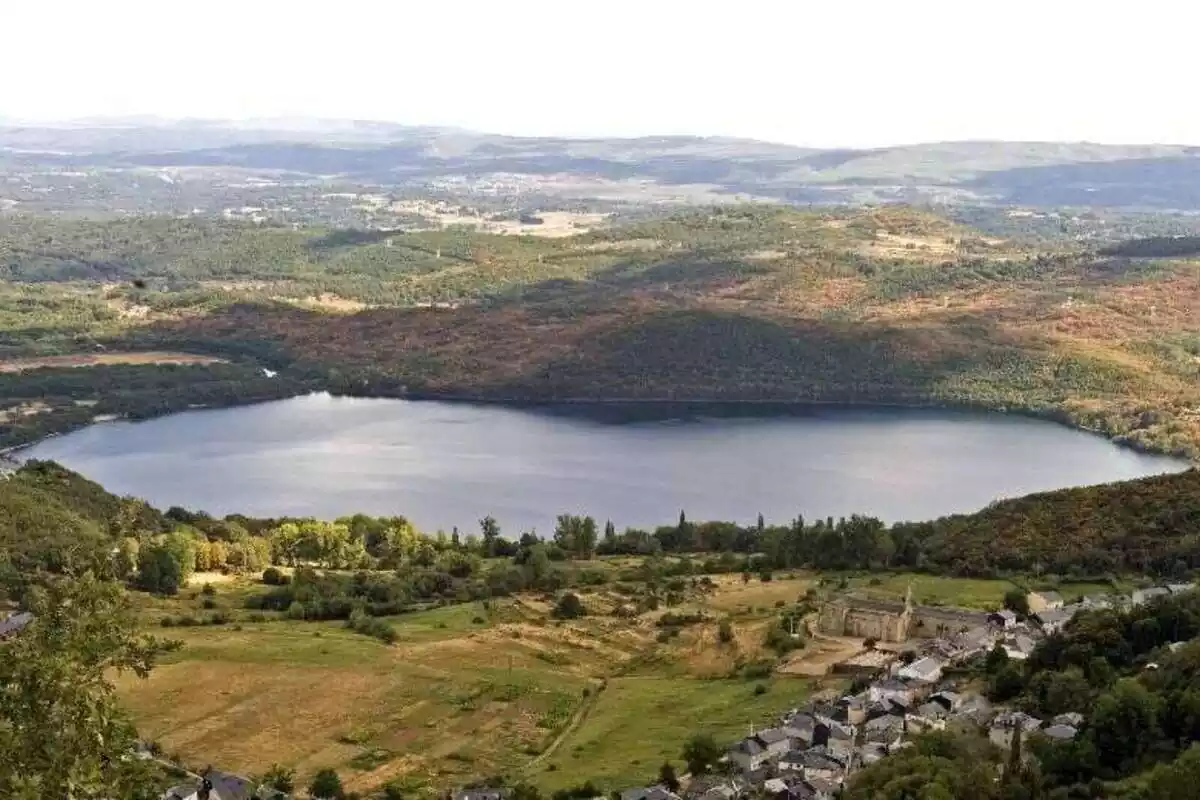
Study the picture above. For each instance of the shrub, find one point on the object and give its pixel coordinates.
(167, 622)
(725, 632)
(273, 576)
(569, 606)
(760, 689)
(208, 602)
(208, 590)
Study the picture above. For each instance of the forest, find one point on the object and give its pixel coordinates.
(750, 303)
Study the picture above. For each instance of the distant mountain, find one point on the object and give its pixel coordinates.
(388, 154)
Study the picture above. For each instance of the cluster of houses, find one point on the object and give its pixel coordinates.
(808, 754)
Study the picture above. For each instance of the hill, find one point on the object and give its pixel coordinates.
(889, 305)
(216, 165)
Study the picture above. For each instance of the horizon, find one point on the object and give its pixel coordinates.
(859, 76)
(276, 123)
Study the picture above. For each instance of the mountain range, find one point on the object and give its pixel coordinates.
(380, 154)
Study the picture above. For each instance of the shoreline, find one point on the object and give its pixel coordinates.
(1057, 416)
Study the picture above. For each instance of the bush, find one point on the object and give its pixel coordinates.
(760, 689)
(725, 632)
(208, 590)
(569, 606)
(478, 620)
(272, 576)
(208, 602)
(167, 622)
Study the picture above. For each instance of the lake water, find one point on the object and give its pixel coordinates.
(449, 464)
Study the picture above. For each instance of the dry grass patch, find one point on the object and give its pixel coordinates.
(103, 359)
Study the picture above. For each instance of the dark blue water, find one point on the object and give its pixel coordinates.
(449, 464)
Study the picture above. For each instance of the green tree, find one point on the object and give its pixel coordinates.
(996, 660)
(160, 570)
(940, 766)
(1179, 780)
(1124, 726)
(489, 529)
(326, 785)
(700, 753)
(1017, 601)
(569, 606)
(667, 777)
(280, 778)
(62, 732)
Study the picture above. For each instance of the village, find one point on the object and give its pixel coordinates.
(911, 682)
(912, 675)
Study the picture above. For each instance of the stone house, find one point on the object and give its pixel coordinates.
(1043, 601)
(748, 754)
(925, 670)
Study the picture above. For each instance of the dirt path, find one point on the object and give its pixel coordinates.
(823, 651)
(576, 720)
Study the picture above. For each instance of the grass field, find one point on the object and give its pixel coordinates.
(985, 595)
(639, 722)
(469, 692)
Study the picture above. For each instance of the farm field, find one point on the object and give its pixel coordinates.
(474, 690)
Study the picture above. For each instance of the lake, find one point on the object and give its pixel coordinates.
(449, 464)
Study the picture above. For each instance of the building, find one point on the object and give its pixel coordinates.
(14, 624)
(1003, 618)
(893, 691)
(1055, 618)
(1043, 601)
(867, 619)
(747, 754)
(216, 785)
(925, 670)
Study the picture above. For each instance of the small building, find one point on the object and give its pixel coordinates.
(14, 624)
(216, 785)
(885, 730)
(1043, 601)
(1054, 619)
(748, 754)
(893, 691)
(1001, 731)
(1019, 647)
(925, 670)
(1180, 588)
(774, 741)
(1004, 618)
(1072, 718)
(951, 701)
(1062, 733)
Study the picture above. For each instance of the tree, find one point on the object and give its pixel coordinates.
(996, 660)
(1178, 780)
(700, 753)
(326, 785)
(668, 778)
(62, 732)
(569, 606)
(490, 530)
(160, 570)
(280, 778)
(725, 632)
(1124, 726)
(1016, 601)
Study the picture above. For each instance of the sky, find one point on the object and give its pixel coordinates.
(822, 73)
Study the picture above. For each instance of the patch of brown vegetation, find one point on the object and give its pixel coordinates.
(103, 359)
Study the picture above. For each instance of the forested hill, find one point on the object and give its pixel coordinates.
(53, 519)
(1147, 525)
(747, 303)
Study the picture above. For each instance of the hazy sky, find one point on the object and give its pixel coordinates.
(833, 72)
